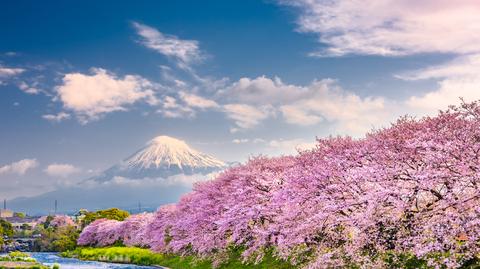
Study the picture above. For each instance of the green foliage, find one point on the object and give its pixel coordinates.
(25, 231)
(6, 229)
(232, 259)
(20, 260)
(17, 256)
(409, 261)
(57, 238)
(26, 226)
(141, 256)
(47, 222)
(19, 214)
(111, 213)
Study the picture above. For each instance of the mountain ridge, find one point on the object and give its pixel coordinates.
(160, 172)
(162, 157)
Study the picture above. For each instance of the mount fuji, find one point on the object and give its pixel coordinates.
(159, 173)
(163, 157)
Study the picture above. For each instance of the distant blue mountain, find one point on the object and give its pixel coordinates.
(157, 174)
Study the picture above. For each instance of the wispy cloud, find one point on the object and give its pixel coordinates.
(317, 102)
(246, 116)
(291, 145)
(56, 117)
(391, 27)
(184, 52)
(197, 101)
(278, 146)
(9, 72)
(170, 108)
(240, 140)
(61, 170)
(30, 89)
(20, 167)
(457, 79)
(11, 53)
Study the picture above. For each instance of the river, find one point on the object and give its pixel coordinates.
(69, 263)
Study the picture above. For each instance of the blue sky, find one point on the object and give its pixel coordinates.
(83, 85)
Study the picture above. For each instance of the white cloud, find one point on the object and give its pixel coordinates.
(278, 146)
(196, 101)
(399, 28)
(91, 96)
(6, 72)
(175, 180)
(290, 145)
(262, 90)
(297, 115)
(463, 66)
(172, 109)
(348, 111)
(250, 101)
(56, 117)
(184, 52)
(240, 140)
(391, 27)
(20, 167)
(30, 89)
(247, 116)
(61, 170)
(458, 78)
(307, 105)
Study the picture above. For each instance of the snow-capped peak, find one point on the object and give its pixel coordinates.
(169, 151)
(163, 157)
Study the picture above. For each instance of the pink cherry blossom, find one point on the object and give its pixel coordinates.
(412, 188)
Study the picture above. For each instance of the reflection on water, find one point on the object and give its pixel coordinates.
(68, 263)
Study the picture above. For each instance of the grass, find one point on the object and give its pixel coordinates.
(141, 256)
(233, 260)
(19, 260)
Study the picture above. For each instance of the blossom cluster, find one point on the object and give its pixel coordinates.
(412, 188)
(106, 232)
(56, 221)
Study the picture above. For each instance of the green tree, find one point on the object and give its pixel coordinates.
(19, 214)
(111, 213)
(6, 229)
(56, 239)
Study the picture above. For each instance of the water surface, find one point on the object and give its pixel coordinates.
(70, 263)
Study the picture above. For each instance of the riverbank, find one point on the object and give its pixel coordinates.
(21, 260)
(139, 256)
(21, 265)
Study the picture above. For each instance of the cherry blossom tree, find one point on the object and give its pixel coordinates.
(102, 232)
(410, 190)
(134, 229)
(56, 221)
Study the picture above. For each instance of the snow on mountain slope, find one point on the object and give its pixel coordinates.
(163, 157)
(157, 174)
(165, 150)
